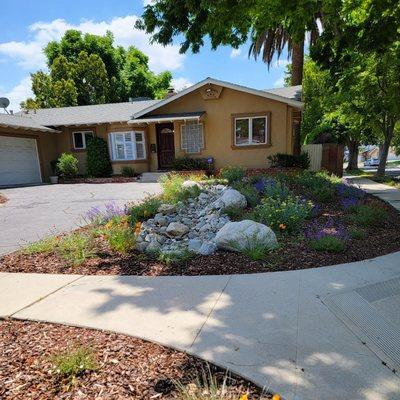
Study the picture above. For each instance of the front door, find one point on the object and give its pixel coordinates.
(165, 145)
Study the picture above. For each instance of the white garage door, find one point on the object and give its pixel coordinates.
(19, 161)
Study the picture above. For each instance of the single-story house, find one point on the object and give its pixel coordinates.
(233, 124)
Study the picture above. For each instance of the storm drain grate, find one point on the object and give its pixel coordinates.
(356, 311)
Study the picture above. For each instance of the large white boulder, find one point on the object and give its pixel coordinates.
(190, 185)
(231, 198)
(237, 236)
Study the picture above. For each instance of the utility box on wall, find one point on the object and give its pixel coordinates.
(327, 156)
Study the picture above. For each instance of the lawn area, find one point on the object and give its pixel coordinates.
(240, 222)
(48, 361)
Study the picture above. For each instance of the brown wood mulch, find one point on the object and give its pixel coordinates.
(127, 367)
(294, 253)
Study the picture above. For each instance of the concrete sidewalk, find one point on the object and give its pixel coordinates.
(273, 328)
(387, 193)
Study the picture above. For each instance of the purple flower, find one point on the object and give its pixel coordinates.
(345, 189)
(96, 216)
(316, 210)
(317, 231)
(349, 202)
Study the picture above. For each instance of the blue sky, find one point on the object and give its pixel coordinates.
(28, 25)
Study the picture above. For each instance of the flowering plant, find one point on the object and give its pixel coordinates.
(97, 216)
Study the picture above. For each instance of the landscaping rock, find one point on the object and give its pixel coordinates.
(231, 198)
(160, 219)
(194, 245)
(191, 185)
(207, 249)
(166, 209)
(236, 236)
(177, 229)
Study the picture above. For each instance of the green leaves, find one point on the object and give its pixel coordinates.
(88, 69)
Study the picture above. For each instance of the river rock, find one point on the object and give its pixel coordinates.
(177, 229)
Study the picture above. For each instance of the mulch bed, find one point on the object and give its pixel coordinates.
(111, 179)
(294, 253)
(127, 367)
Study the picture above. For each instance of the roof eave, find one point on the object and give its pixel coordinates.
(256, 92)
(29, 128)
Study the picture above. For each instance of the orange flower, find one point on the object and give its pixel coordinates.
(276, 396)
(282, 227)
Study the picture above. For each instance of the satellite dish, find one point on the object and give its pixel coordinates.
(4, 102)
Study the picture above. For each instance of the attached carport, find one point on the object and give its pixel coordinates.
(26, 149)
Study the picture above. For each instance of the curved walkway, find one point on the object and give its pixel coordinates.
(274, 328)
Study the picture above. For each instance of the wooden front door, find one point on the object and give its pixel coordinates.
(165, 145)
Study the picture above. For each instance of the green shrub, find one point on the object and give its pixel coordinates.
(270, 187)
(193, 164)
(121, 239)
(289, 160)
(330, 244)
(248, 191)
(232, 174)
(172, 188)
(74, 362)
(178, 257)
(319, 186)
(44, 246)
(282, 215)
(76, 248)
(67, 166)
(233, 212)
(144, 210)
(254, 249)
(367, 215)
(98, 162)
(356, 233)
(128, 172)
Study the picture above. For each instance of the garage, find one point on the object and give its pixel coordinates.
(19, 161)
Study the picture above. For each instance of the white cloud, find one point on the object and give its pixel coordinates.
(29, 54)
(279, 82)
(19, 93)
(181, 83)
(236, 53)
(280, 63)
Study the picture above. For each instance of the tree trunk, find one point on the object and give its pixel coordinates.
(383, 154)
(353, 155)
(297, 79)
(297, 63)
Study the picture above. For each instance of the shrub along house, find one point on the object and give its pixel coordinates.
(232, 124)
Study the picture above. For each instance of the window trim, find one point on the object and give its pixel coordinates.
(204, 140)
(83, 139)
(250, 117)
(111, 141)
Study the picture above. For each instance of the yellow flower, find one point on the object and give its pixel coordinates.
(244, 397)
(276, 396)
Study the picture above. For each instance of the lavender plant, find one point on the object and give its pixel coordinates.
(97, 216)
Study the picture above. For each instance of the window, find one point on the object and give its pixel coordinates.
(250, 131)
(80, 139)
(192, 138)
(127, 146)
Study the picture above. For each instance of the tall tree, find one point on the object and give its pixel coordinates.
(361, 51)
(271, 26)
(89, 69)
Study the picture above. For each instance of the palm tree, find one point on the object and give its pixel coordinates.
(272, 41)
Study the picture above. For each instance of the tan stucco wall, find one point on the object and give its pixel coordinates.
(46, 144)
(65, 144)
(218, 127)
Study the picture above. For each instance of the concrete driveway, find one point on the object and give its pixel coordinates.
(32, 213)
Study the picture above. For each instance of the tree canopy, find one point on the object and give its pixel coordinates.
(89, 69)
